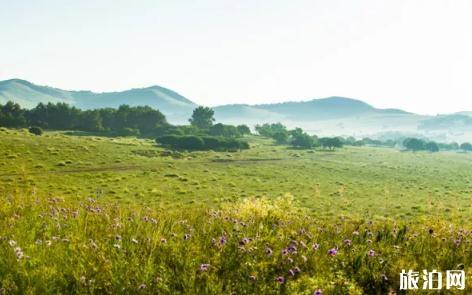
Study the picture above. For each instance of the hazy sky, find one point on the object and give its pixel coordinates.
(411, 54)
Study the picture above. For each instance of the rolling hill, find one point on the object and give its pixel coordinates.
(28, 95)
(325, 116)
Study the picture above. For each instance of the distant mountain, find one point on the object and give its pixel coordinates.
(324, 117)
(175, 106)
(313, 110)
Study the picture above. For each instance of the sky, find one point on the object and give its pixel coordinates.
(410, 54)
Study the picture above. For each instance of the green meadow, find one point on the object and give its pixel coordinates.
(360, 181)
(89, 214)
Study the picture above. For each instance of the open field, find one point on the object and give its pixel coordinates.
(87, 214)
(367, 182)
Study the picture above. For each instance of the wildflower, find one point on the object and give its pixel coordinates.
(280, 280)
(384, 277)
(186, 236)
(118, 237)
(12, 243)
(268, 251)
(292, 249)
(371, 253)
(134, 241)
(315, 247)
(291, 272)
(355, 233)
(347, 242)
(83, 280)
(304, 258)
(222, 240)
(117, 246)
(204, 267)
(244, 241)
(93, 245)
(163, 240)
(369, 241)
(252, 278)
(430, 231)
(332, 252)
(142, 287)
(296, 269)
(457, 242)
(19, 253)
(284, 252)
(318, 292)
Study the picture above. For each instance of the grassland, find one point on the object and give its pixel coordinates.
(87, 214)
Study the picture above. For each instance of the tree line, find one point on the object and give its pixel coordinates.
(124, 120)
(417, 144)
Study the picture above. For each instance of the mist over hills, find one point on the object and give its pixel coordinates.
(326, 116)
(28, 95)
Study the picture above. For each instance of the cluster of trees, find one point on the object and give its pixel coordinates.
(125, 120)
(297, 137)
(203, 134)
(416, 144)
(199, 143)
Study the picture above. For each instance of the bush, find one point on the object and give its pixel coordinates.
(192, 142)
(35, 130)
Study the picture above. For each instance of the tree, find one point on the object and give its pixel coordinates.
(224, 130)
(268, 130)
(331, 142)
(466, 147)
(414, 144)
(303, 140)
(432, 147)
(202, 117)
(12, 115)
(243, 129)
(281, 137)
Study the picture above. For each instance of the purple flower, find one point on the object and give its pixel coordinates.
(204, 267)
(332, 252)
(280, 280)
(371, 253)
(318, 292)
(315, 246)
(347, 242)
(457, 242)
(291, 249)
(222, 240)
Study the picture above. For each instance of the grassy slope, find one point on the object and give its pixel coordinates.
(352, 181)
(72, 220)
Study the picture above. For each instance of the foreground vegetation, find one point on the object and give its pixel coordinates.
(88, 214)
(53, 245)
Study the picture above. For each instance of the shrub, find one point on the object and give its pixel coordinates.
(35, 130)
(192, 142)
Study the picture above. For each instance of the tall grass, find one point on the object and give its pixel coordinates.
(256, 246)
